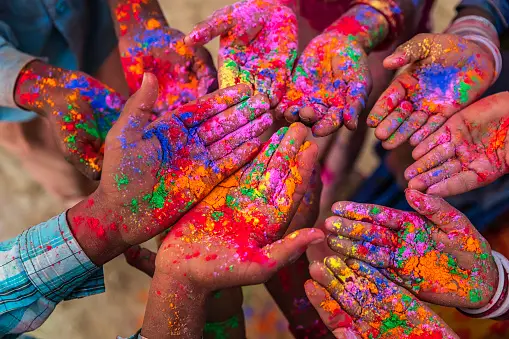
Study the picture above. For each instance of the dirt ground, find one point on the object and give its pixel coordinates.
(119, 311)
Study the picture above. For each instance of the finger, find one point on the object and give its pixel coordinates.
(433, 124)
(325, 277)
(198, 111)
(358, 230)
(436, 157)
(440, 137)
(406, 130)
(291, 247)
(330, 123)
(278, 87)
(327, 308)
(411, 51)
(309, 114)
(388, 101)
(437, 210)
(240, 156)
(142, 259)
(394, 120)
(220, 22)
(292, 114)
(138, 109)
(355, 103)
(435, 175)
(375, 214)
(362, 250)
(233, 140)
(278, 168)
(232, 119)
(462, 182)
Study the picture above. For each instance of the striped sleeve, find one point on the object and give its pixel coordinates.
(38, 269)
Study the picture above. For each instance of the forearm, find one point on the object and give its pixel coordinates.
(175, 309)
(97, 230)
(225, 318)
(287, 290)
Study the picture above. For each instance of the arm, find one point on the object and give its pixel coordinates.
(225, 317)
(40, 268)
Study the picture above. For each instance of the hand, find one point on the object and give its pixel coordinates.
(258, 44)
(231, 237)
(155, 172)
(435, 253)
(81, 110)
(468, 152)
(445, 73)
(379, 308)
(330, 84)
(148, 44)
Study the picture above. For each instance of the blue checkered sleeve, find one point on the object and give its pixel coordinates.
(38, 269)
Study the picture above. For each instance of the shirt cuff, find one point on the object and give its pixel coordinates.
(55, 263)
(12, 62)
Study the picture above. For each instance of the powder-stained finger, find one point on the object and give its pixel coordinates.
(406, 130)
(394, 120)
(435, 175)
(362, 250)
(432, 125)
(380, 215)
(233, 140)
(358, 230)
(232, 119)
(433, 159)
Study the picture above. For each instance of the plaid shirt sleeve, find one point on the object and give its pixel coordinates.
(39, 268)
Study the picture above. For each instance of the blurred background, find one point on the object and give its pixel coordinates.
(119, 311)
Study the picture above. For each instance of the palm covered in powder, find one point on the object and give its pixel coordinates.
(230, 238)
(155, 172)
(468, 152)
(81, 110)
(330, 84)
(378, 308)
(148, 44)
(445, 74)
(437, 254)
(258, 44)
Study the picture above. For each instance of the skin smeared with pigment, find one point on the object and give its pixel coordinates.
(81, 108)
(148, 44)
(258, 45)
(156, 171)
(379, 308)
(437, 254)
(446, 73)
(331, 81)
(232, 237)
(468, 152)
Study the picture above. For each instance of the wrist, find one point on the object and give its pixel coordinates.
(362, 24)
(175, 308)
(96, 230)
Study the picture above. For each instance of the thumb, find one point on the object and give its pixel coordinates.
(411, 51)
(329, 310)
(142, 259)
(291, 247)
(437, 210)
(138, 109)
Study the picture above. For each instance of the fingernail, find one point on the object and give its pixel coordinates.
(317, 241)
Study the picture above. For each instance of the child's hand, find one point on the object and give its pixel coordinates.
(155, 172)
(378, 308)
(148, 44)
(468, 152)
(330, 84)
(445, 73)
(435, 253)
(231, 237)
(258, 45)
(80, 108)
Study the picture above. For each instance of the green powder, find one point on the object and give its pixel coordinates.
(123, 180)
(474, 295)
(219, 329)
(392, 322)
(216, 216)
